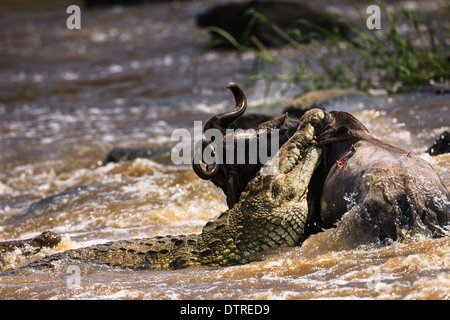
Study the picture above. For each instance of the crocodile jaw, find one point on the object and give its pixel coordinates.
(297, 178)
(285, 178)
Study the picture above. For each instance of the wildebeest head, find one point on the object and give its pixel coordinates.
(234, 173)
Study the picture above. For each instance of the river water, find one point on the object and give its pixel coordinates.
(130, 77)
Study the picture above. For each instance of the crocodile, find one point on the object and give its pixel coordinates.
(271, 212)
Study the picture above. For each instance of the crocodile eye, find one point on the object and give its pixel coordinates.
(290, 196)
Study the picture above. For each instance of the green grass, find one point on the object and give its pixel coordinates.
(368, 59)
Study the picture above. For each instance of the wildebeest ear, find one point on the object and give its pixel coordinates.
(273, 124)
(347, 120)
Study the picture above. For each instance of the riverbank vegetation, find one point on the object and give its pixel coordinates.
(407, 52)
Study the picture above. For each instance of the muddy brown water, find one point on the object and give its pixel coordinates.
(130, 77)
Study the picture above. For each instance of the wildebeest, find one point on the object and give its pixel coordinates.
(390, 192)
(232, 177)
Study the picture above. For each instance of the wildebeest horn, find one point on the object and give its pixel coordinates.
(223, 120)
(220, 122)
